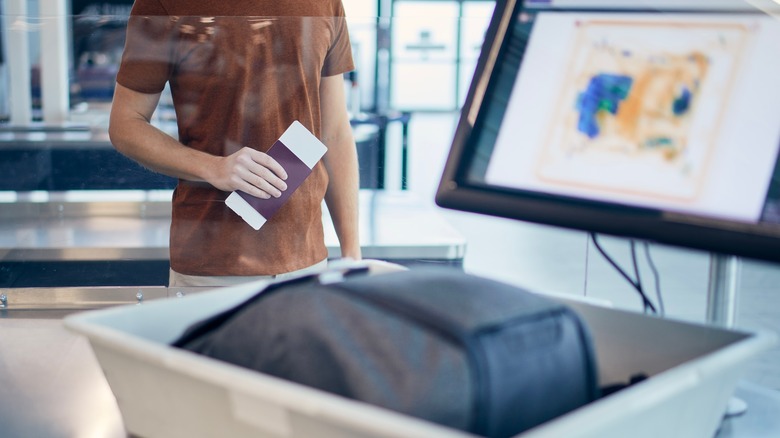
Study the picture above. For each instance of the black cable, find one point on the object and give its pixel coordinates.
(636, 265)
(657, 279)
(639, 285)
(646, 303)
(587, 267)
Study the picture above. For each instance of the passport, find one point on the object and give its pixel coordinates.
(297, 151)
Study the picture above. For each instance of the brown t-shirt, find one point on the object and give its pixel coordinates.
(240, 73)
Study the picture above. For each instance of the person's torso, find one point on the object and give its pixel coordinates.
(240, 73)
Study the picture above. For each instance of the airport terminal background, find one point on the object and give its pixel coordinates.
(438, 56)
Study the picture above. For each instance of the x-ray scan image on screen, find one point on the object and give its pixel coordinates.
(646, 110)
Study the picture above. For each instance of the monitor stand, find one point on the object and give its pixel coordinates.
(725, 273)
(722, 297)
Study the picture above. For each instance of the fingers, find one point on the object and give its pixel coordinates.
(271, 165)
(258, 174)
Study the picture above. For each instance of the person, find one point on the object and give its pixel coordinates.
(239, 74)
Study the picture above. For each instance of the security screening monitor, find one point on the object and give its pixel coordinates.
(657, 120)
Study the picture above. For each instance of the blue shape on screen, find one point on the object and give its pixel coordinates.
(682, 102)
(604, 93)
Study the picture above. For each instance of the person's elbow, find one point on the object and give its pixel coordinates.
(339, 135)
(114, 131)
(130, 115)
(118, 133)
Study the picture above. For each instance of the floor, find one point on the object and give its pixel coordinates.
(545, 258)
(51, 385)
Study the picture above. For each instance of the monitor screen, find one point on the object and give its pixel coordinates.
(657, 120)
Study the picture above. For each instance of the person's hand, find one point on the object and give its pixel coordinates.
(252, 172)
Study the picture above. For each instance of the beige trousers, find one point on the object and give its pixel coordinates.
(182, 280)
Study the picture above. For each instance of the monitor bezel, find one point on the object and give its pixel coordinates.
(456, 191)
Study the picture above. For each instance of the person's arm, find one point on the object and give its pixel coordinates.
(248, 170)
(342, 165)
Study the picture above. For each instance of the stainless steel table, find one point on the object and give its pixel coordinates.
(134, 227)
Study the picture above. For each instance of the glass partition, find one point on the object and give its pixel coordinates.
(75, 212)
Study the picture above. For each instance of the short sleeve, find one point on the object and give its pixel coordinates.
(339, 57)
(147, 58)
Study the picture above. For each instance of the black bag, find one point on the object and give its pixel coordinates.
(451, 348)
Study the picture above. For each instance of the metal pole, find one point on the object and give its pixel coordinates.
(55, 95)
(17, 47)
(722, 291)
(722, 303)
